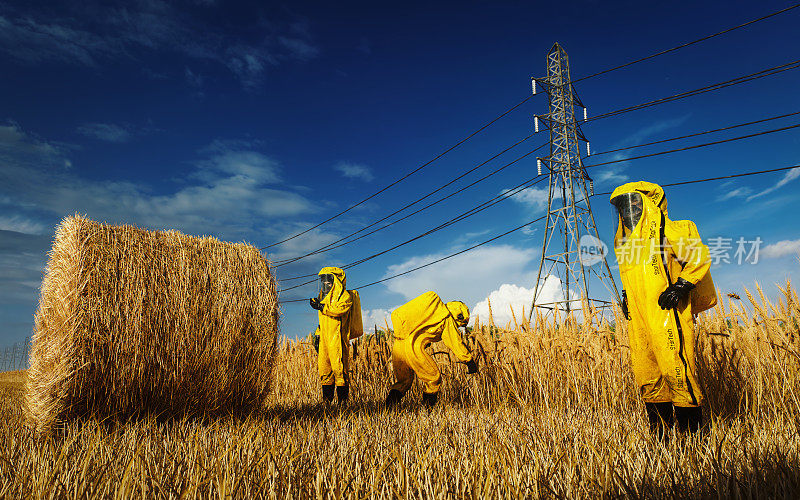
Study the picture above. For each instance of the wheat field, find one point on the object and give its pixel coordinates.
(552, 413)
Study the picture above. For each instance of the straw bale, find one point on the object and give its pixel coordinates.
(134, 322)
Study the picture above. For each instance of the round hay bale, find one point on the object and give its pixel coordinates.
(134, 322)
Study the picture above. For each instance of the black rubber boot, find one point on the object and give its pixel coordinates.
(341, 393)
(393, 398)
(689, 419)
(660, 417)
(429, 399)
(327, 393)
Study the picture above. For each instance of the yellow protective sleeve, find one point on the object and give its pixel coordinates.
(335, 308)
(451, 336)
(687, 250)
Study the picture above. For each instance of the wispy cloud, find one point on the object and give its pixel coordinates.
(90, 35)
(230, 193)
(655, 128)
(739, 192)
(20, 224)
(354, 171)
(614, 173)
(787, 178)
(364, 46)
(108, 132)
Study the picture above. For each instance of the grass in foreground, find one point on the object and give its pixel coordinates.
(553, 412)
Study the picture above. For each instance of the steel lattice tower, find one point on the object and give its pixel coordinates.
(569, 213)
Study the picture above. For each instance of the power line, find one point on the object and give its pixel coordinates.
(498, 198)
(409, 174)
(659, 153)
(540, 218)
(435, 261)
(686, 44)
(335, 244)
(464, 215)
(721, 177)
(729, 127)
(708, 88)
(426, 206)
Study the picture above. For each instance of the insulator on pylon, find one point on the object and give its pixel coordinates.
(535, 123)
(585, 114)
(533, 85)
(588, 152)
(591, 187)
(538, 166)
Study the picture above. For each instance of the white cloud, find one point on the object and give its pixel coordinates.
(20, 224)
(379, 317)
(354, 171)
(510, 297)
(787, 177)
(108, 132)
(533, 197)
(739, 192)
(612, 173)
(228, 195)
(780, 249)
(310, 241)
(466, 277)
(244, 165)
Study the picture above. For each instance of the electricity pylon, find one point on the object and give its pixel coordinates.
(569, 213)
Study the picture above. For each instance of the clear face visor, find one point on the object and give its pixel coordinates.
(629, 207)
(325, 285)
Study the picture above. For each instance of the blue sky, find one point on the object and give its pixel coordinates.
(252, 121)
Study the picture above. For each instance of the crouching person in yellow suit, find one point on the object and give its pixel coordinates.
(339, 315)
(664, 268)
(416, 324)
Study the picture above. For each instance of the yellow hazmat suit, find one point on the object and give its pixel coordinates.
(421, 321)
(653, 255)
(334, 330)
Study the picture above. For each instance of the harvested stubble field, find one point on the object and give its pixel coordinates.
(553, 412)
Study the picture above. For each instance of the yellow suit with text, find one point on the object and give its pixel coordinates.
(421, 321)
(654, 254)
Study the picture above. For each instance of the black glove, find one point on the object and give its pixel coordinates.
(315, 303)
(472, 366)
(676, 292)
(624, 306)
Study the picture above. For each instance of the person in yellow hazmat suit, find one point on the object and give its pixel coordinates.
(337, 308)
(417, 324)
(660, 262)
